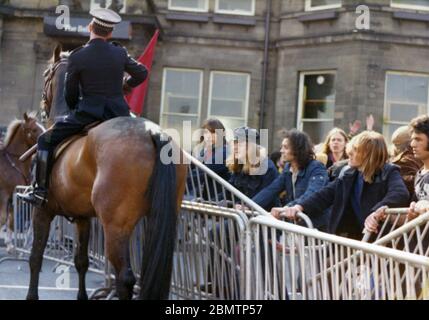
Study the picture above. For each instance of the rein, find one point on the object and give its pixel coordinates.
(47, 90)
(14, 166)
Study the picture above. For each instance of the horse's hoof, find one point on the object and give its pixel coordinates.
(32, 297)
(83, 296)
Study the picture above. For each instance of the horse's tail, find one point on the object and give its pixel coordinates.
(160, 235)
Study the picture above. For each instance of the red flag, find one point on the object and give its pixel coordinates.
(136, 98)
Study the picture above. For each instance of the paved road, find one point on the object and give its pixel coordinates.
(15, 275)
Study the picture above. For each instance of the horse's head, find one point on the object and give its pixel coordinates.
(53, 102)
(24, 132)
(31, 129)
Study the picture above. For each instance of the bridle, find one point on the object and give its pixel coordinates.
(47, 95)
(8, 155)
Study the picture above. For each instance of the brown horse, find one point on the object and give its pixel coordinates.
(114, 173)
(20, 136)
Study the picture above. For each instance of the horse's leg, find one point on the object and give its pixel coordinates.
(81, 260)
(41, 225)
(3, 210)
(118, 253)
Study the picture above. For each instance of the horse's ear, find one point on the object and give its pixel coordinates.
(57, 52)
(26, 118)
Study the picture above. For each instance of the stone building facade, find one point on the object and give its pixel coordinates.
(263, 63)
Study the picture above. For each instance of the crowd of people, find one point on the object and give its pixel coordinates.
(344, 184)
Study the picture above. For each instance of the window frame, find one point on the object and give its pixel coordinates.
(308, 6)
(408, 6)
(210, 96)
(123, 11)
(300, 110)
(242, 13)
(175, 8)
(386, 116)
(163, 87)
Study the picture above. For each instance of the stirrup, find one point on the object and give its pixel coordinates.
(36, 197)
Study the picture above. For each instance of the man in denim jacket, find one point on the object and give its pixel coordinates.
(301, 177)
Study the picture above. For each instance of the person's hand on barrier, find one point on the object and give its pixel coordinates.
(417, 208)
(240, 207)
(276, 212)
(372, 221)
(412, 214)
(289, 213)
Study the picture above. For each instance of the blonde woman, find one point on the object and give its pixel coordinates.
(334, 147)
(250, 167)
(362, 191)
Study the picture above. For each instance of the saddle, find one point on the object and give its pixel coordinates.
(67, 142)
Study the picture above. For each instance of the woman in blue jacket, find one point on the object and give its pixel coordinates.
(301, 177)
(365, 187)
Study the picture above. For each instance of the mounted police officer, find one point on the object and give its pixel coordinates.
(93, 91)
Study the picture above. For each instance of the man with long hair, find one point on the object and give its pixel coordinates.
(302, 175)
(361, 193)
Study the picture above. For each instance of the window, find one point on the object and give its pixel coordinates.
(411, 4)
(406, 97)
(243, 7)
(229, 98)
(189, 5)
(181, 98)
(116, 5)
(321, 4)
(316, 104)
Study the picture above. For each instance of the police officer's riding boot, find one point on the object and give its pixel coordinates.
(39, 193)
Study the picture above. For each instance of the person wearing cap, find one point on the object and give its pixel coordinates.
(250, 167)
(93, 90)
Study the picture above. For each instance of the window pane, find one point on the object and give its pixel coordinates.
(181, 98)
(319, 3)
(319, 96)
(399, 112)
(235, 5)
(229, 96)
(189, 4)
(317, 130)
(182, 91)
(406, 97)
(421, 3)
(407, 88)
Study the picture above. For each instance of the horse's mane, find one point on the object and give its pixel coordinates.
(63, 55)
(13, 127)
(11, 130)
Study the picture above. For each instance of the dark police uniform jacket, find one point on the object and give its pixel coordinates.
(94, 79)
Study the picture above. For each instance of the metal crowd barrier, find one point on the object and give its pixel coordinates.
(226, 251)
(60, 245)
(397, 232)
(286, 261)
